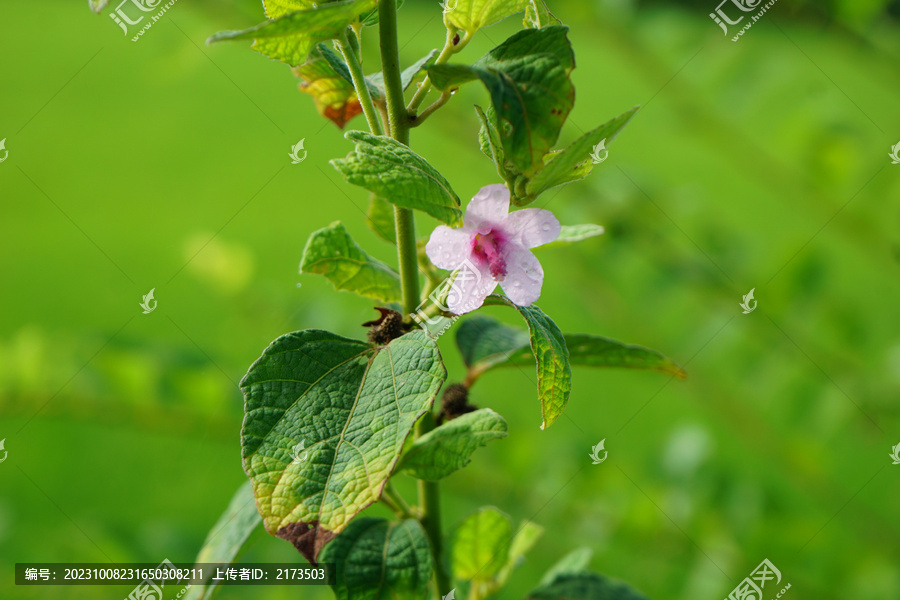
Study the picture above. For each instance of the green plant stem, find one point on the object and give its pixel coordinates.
(449, 50)
(392, 498)
(359, 82)
(430, 501)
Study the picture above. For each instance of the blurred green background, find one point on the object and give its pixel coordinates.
(759, 164)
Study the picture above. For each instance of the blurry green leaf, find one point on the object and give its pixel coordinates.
(449, 447)
(340, 67)
(325, 421)
(537, 15)
(381, 218)
(331, 252)
(524, 540)
(334, 96)
(597, 351)
(480, 545)
(485, 343)
(575, 561)
(290, 36)
(472, 15)
(399, 175)
(227, 538)
(554, 374)
(376, 559)
(532, 95)
(97, 5)
(574, 162)
(584, 586)
(489, 140)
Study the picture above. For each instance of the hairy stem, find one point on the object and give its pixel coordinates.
(451, 46)
(398, 120)
(359, 82)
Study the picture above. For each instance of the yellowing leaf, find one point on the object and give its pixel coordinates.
(472, 15)
(334, 96)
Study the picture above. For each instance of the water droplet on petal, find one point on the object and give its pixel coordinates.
(546, 227)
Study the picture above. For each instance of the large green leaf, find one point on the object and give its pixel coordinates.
(334, 95)
(574, 162)
(331, 252)
(532, 95)
(349, 407)
(485, 343)
(584, 586)
(290, 36)
(227, 538)
(449, 447)
(472, 15)
(399, 175)
(480, 545)
(554, 375)
(375, 559)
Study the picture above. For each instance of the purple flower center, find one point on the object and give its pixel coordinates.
(487, 248)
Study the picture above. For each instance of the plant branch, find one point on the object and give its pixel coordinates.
(393, 499)
(419, 119)
(451, 47)
(359, 82)
(430, 498)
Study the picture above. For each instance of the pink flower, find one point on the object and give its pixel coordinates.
(492, 247)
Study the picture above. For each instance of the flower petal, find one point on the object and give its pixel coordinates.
(524, 275)
(448, 248)
(472, 285)
(532, 227)
(488, 209)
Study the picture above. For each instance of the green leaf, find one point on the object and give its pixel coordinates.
(399, 175)
(331, 252)
(291, 36)
(574, 162)
(485, 343)
(381, 219)
(524, 540)
(334, 95)
(227, 538)
(537, 15)
(376, 559)
(472, 15)
(325, 421)
(584, 586)
(554, 375)
(491, 146)
(527, 77)
(598, 351)
(449, 447)
(480, 545)
(575, 561)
